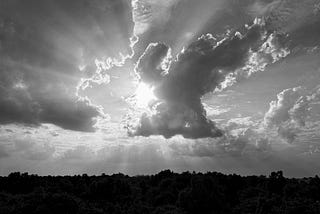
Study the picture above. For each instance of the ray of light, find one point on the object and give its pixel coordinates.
(196, 23)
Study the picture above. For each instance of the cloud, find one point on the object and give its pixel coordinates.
(151, 61)
(279, 110)
(215, 110)
(202, 67)
(47, 47)
(280, 115)
(244, 153)
(240, 122)
(299, 19)
(147, 13)
(290, 112)
(224, 146)
(33, 103)
(78, 153)
(184, 21)
(3, 152)
(78, 115)
(30, 150)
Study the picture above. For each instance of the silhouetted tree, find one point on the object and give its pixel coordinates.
(164, 193)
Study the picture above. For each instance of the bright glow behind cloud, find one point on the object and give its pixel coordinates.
(43, 63)
(144, 95)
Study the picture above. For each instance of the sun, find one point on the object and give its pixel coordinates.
(144, 95)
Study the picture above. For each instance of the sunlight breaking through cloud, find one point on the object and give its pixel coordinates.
(181, 87)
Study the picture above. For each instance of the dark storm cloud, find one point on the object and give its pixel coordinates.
(42, 45)
(200, 68)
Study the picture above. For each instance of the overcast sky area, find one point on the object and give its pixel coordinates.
(138, 86)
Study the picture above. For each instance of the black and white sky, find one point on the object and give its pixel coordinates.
(137, 86)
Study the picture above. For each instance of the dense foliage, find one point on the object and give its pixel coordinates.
(163, 193)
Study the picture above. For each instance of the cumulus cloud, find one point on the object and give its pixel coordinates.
(202, 67)
(290, 112)
(279, 110)
(47, 47)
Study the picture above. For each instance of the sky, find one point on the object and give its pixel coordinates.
(138, 86)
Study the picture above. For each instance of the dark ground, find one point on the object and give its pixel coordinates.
(163, 193)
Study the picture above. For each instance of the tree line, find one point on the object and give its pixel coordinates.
(164, 193)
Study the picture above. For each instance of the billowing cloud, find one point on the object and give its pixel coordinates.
(290, 112)
(204, 66)
(179, 104)
(46, 47)
(279, 110)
